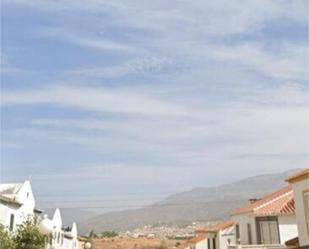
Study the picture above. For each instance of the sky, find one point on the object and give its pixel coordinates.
(134, 100)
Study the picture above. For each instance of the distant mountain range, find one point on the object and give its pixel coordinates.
(199, 204)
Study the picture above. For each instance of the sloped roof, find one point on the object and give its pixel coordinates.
(222, 226)
(197, 239)
(10, 188)
(277, 203)
(216, 228)
(299, 176)
(8, 192)
(292, 242)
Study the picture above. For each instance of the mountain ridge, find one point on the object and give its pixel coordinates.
(199, 204)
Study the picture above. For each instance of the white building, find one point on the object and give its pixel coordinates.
(17, 203)
(198, 242)
(220, 236)
(300, 183)
(62, 237)
(269, 222)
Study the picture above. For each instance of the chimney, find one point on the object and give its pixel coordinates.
(253, 200)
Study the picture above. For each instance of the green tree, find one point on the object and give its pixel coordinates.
(6, 241)
(109, 234)
(28, 236)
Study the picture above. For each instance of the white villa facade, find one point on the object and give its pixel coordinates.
(17, 203)
(60, 237)
(220, 236)
(270, 221)
(198, 242)
(300, 183)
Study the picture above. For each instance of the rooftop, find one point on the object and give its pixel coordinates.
(299, 176)
(217, 227)
(278, 203)
(8, 192)
(197, 239)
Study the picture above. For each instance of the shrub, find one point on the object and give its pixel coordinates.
(28, 235)
(6, 240)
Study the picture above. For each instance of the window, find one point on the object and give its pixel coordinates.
(208, 243)
(268, 230)
(306, 208)
(214, 243)
(12, 222)
(249, 234)
(237, 234)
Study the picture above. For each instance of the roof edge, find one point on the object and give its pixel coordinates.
(302, 175)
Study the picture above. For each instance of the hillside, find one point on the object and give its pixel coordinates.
(200, 204)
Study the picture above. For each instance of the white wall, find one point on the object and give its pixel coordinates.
(59, 240)
(70, 243)
(242, 221)
(287, 227)
(202, 244)
(21, 213)
(224, 236)
(298, 189)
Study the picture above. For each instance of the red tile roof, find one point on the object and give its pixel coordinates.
(197, 239)
(216, 228)
(277, 203)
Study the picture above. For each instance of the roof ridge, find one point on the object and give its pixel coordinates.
(266, 200)
(273, 200)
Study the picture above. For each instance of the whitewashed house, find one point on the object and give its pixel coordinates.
(300, 183)
(71, 237)
(198, 242)
(267, 222)
(17, 203)
(219, 236)
(61, 237)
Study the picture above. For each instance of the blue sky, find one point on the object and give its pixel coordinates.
(147, 98)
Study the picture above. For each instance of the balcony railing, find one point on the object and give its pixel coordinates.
(263, 246)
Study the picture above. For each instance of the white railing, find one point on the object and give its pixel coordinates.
(263, 246)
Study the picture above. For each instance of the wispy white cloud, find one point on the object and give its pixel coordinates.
(142, 65)
(192, 131)
(289, 63)
(96, 99)
(222, 95)
(88, 41)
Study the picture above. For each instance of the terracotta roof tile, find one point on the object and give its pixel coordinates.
(197, 239)
(279, 202)
(217, 227)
